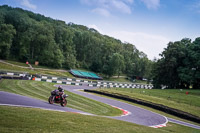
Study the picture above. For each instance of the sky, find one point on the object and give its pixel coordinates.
(148, 24)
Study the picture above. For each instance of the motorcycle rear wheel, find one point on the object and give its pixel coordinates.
(51, 100)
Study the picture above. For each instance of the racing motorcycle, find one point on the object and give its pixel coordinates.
(58, 97)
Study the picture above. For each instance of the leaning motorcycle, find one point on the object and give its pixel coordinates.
(58, 98)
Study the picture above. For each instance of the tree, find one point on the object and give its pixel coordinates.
(194, 55)
(56, 44)
(64, 39)
(116, 65)
(169, 69)
(7, 33)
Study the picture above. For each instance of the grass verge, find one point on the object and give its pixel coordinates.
(15, 119)
(173, 98)
(41, 90)
(53, 72)
(150, 109)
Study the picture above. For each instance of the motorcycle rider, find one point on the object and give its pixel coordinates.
(61, 91)
(57, 92)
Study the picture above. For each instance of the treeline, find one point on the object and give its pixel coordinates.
(179, 66)
(26, 36)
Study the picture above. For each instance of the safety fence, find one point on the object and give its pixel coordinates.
(139, 86)
(57, 81)
(80, 82)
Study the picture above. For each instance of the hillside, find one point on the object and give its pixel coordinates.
(26, 36)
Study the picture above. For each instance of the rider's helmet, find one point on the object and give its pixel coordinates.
(60, 88)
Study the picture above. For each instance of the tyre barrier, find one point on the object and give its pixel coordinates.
(100, 84)
(57, 81)
(14, 74)
(139, 86)
(64, 78)
(9, 77)
(160, 107)
(73, 81)
(26, 76)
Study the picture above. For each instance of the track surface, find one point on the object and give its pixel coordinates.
(19, 100)
(137, 115)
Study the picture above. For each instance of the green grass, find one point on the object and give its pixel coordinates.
(17, 63)
(120, 79)
(15, 119)
(150, 109)
(52, 72)
(123, 79)
(169, 97)
(41, 90)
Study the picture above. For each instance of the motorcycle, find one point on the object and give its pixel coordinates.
(57, 97)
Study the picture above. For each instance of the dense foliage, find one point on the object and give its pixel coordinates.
(26, 36)
(179, 66)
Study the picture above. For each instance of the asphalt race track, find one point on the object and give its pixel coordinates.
(19, 100)
(133, 114)
(137, 115)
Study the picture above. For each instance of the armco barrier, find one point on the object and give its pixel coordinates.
(160, 107)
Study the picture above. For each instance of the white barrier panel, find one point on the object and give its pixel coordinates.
(59, 82)
(22, 75)
(69, 79)
(54, 78)
(37, 79)
(10, 73)
(48, 80)
(68, 83)
(44, 77)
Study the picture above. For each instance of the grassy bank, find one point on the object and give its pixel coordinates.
(15, 119)
(41, 90)
(173, 98)
(42, 71)
(15, 66)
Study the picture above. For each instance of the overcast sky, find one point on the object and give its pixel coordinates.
(148, 24)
